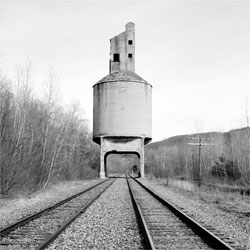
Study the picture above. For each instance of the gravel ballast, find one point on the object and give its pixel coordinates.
(109, 223)
(234, 225)
(34, 233)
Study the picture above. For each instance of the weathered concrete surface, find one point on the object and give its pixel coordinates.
(120, 145)
(122, 119)
(122, 108)
(124, 45)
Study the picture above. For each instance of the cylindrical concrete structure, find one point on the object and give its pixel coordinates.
(122, 107)
(122, 121)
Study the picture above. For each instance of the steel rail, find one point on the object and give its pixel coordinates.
(4, 232)
(148, 241)
(50, 239)
(210, 238)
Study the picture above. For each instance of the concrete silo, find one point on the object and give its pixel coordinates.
(122, 104)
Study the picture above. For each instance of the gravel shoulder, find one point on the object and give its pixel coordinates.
(227, 215)
(11, 210)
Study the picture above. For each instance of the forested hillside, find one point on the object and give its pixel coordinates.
(225, 157)
(40, 140)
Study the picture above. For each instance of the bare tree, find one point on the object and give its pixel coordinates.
(50, 100)
(41, 141)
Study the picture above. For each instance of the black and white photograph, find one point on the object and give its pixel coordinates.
(124, 124)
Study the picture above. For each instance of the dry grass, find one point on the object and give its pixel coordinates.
(219, 194)
(185, 185)
(228, 201)
(205, 191)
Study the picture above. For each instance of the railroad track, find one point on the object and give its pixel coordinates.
(40, 229)
(164, 226)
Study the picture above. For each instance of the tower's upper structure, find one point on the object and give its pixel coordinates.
(122, 50)
(122, 99)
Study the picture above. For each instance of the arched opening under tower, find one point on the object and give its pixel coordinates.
(118, 163)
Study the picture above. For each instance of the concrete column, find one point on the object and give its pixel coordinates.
(102, 166)
(142, 159)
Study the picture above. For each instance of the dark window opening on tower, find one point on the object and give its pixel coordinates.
(130, 42)
(130, 55)
(116, 57)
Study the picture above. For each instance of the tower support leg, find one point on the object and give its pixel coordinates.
(142, 160)
(102, 163)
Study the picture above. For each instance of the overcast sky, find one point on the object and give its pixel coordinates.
(196, 54)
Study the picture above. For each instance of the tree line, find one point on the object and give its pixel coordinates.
(226, 160)
(41, 141)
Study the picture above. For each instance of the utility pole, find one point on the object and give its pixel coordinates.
(200, 144)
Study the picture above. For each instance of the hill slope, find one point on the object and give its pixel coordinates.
(174, 156)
